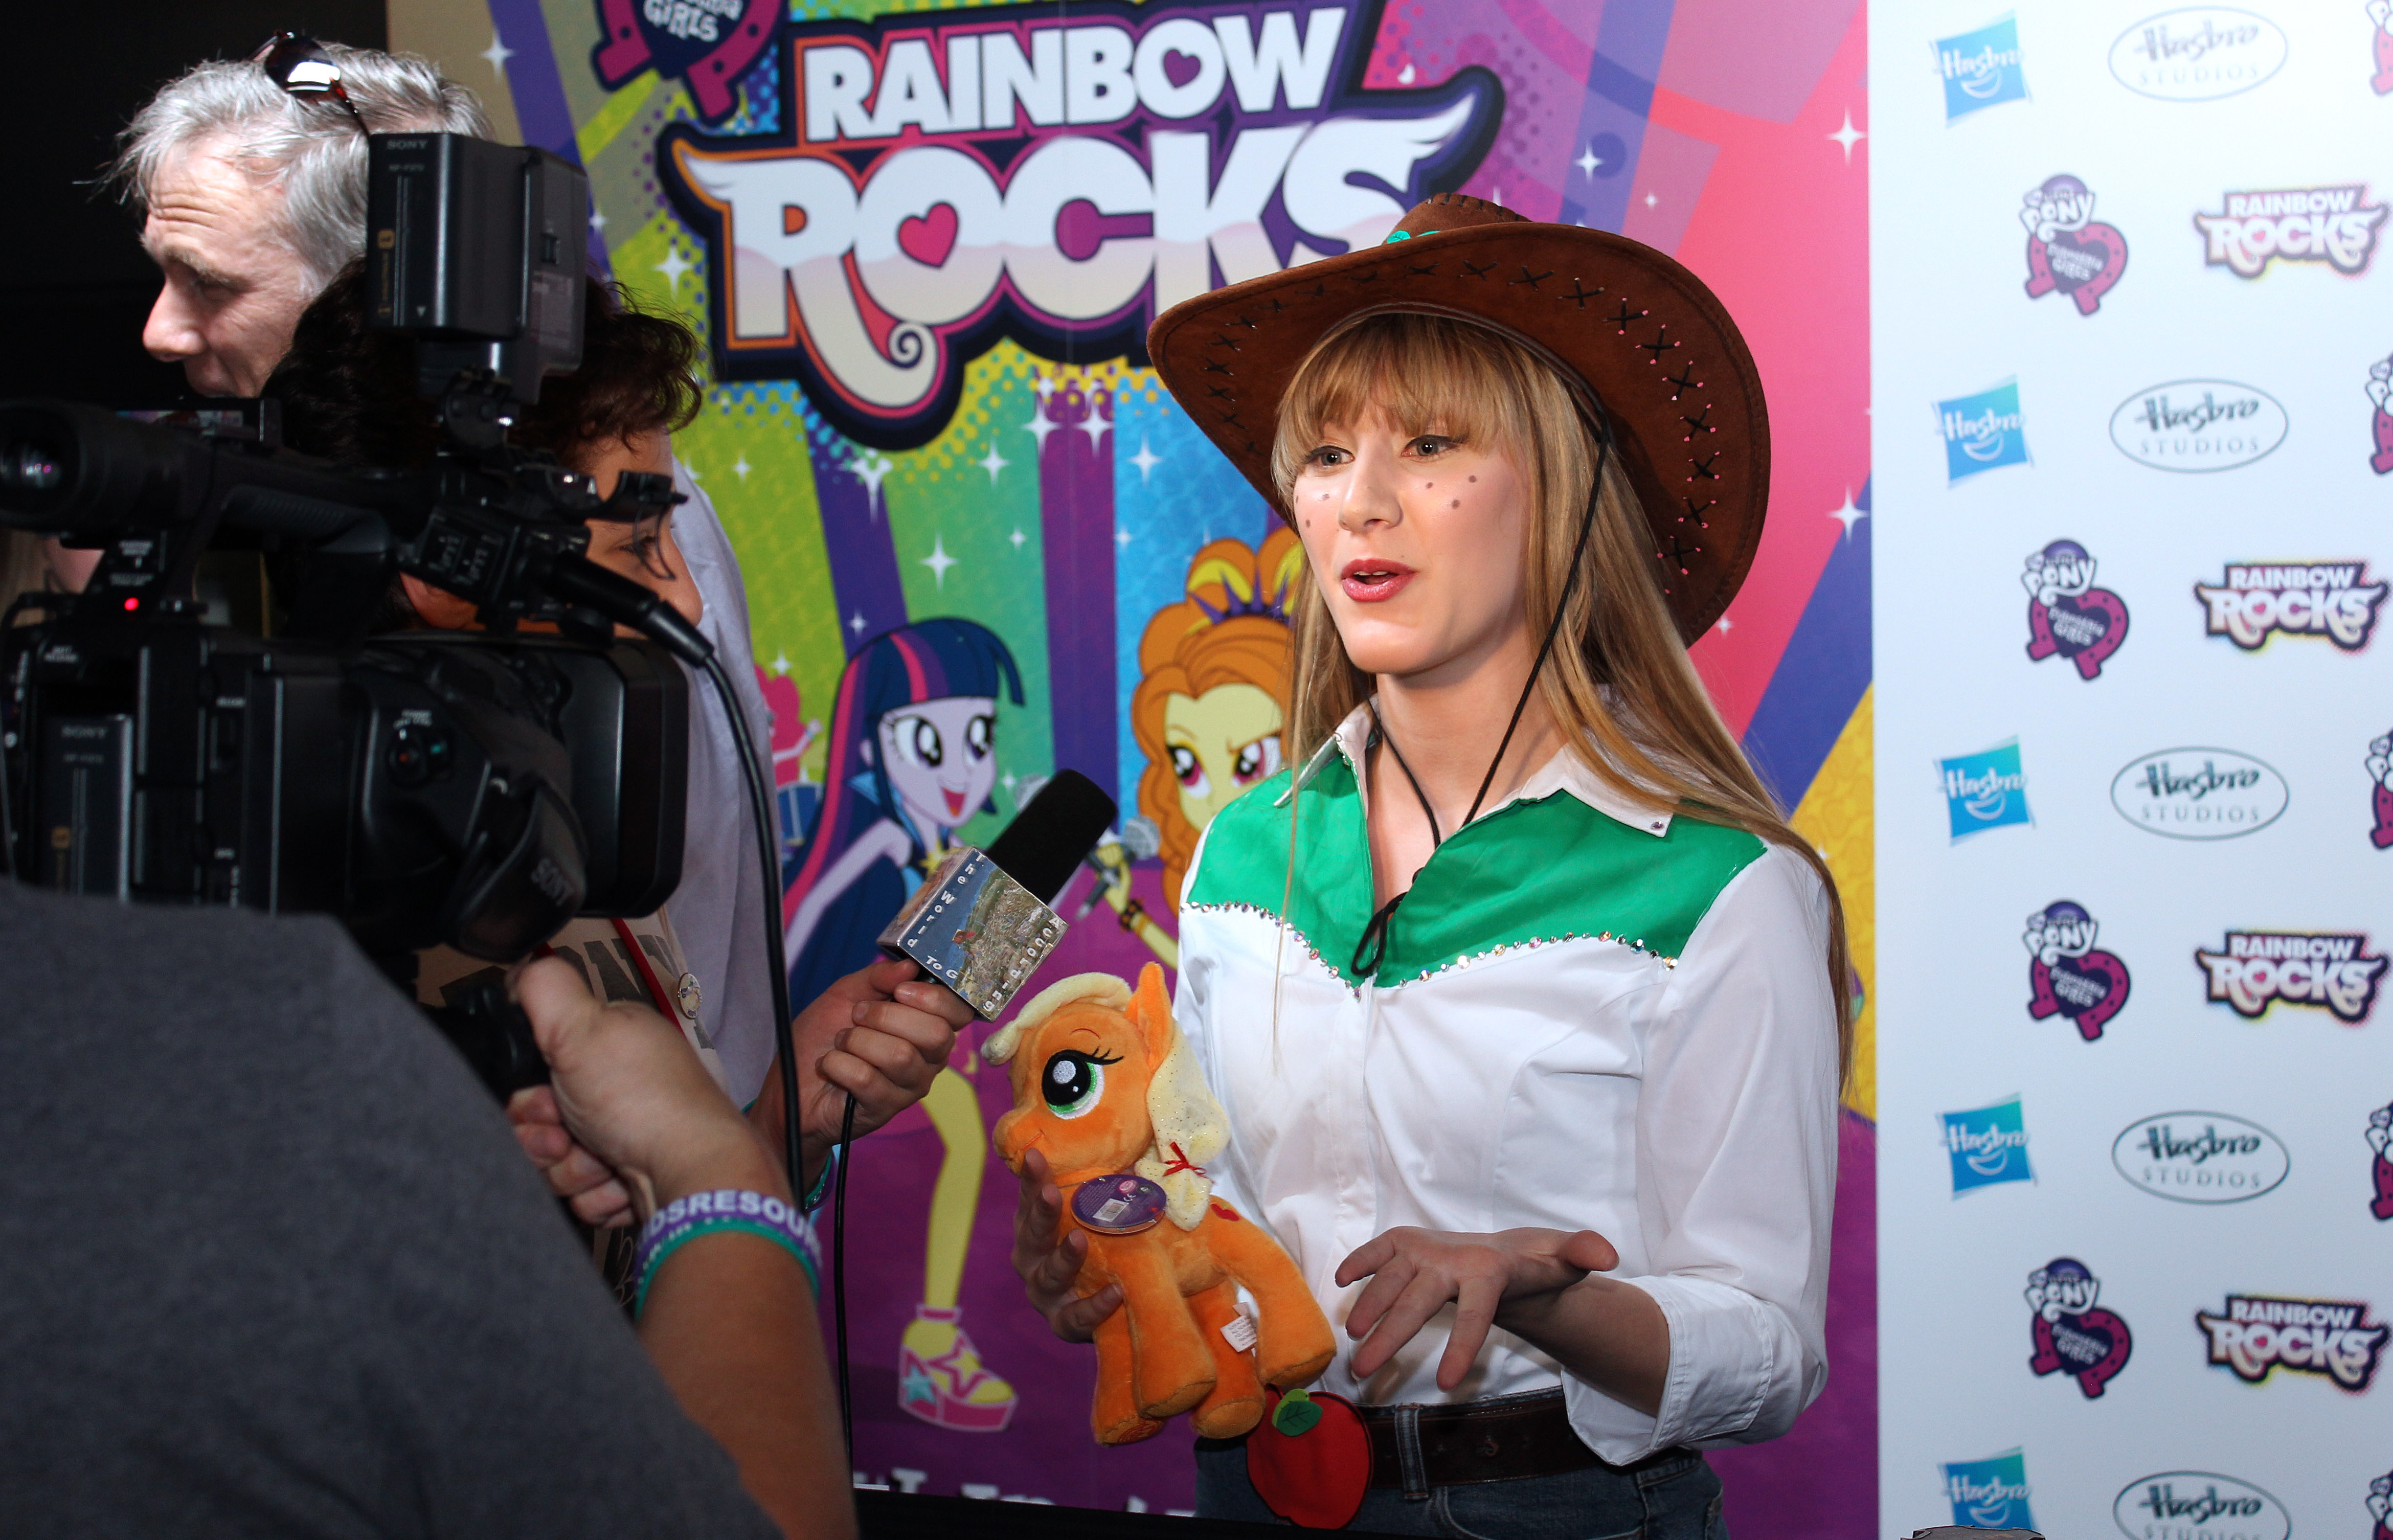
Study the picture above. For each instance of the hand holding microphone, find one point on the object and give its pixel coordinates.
(881, 1034)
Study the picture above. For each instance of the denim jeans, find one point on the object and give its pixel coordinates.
(1672, 1499)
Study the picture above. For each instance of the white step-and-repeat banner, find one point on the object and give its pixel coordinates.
(2131, 325)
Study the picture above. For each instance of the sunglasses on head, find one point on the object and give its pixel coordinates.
(298, 64)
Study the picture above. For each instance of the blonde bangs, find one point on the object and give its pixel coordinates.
(1429, 373)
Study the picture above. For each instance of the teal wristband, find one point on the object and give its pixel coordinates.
(687, 1233)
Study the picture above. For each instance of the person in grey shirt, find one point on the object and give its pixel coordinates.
(243, 1299)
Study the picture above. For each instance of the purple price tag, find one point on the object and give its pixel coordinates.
(1118, 1205)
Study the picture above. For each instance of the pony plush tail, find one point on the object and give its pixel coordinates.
(1190, 1127)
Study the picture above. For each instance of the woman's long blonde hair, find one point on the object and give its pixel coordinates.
(1619, 682)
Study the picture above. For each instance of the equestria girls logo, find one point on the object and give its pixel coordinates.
(2067, 976)
(709, 43)
(946, 180)
(2380, 1143)
(2071, 1336)
(2380, 395)
(2068, 249)
(2067, 616)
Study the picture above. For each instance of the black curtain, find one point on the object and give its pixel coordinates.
(74, 285)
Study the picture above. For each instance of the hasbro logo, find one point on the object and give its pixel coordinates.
(1988, 1146)
(1982, 432)
(1984, 791)
(1990, 1494)
(1980, 69)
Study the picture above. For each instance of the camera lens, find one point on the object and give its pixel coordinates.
(27, 466)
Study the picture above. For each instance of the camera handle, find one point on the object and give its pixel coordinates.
(495, 1037)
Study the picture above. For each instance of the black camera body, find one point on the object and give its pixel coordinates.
(474, 790)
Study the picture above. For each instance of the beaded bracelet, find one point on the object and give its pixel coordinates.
(685, 1219)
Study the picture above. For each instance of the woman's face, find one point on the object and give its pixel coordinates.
(941, 757)
(1220, 743)
(645, 551)
(1417, 542)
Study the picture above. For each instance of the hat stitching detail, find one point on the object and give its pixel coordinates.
(1427, 269)
(1624, 317)
(1659, 345)
(1580, 294)
(1215, 366)
(1531, 280)
(1697, 421)
(1476, 269)
(1685, 381)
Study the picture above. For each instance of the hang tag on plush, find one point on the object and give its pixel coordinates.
(1239, 1332)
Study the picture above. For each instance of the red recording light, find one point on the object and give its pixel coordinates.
(132, 604)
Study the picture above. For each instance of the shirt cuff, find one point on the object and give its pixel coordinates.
(1735, 1377)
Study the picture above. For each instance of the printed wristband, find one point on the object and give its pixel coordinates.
(758, 1213)
(822, 1184)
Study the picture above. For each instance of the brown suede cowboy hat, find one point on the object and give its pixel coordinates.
(1657, 349)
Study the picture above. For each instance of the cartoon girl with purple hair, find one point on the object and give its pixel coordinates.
(912, 756)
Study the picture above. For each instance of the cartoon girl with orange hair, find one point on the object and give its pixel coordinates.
(1210, 707)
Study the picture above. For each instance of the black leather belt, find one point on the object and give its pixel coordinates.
(1502, 1438)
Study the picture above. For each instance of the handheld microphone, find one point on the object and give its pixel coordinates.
(983, 923)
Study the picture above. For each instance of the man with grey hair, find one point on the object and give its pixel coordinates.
(253, 197)
(250, 177)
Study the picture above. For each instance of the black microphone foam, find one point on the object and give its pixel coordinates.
(1043, 844)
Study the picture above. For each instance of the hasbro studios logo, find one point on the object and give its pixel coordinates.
(1984, 791)
(2198, 425)
(2198, 54)
(2198, 1504)
(1987, 1146)
(1980, 69)
(2199, 794)
(1982, 432)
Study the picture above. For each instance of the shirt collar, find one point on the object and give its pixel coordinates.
(1564, 772)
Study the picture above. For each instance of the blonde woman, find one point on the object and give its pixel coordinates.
(1523, 999)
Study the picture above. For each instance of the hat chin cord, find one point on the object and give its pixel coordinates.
(1374, 940)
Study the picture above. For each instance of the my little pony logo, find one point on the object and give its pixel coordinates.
(2380, 1490)
(2381, 12)
(2068, 249)
(2071, 1336)
(2066, 975)
(946, 179)
(2067, 616)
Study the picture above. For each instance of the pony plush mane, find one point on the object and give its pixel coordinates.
(1104, 988)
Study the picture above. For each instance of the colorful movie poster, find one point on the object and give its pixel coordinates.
(923, 244)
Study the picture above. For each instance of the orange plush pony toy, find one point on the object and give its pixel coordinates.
(1106, 1089)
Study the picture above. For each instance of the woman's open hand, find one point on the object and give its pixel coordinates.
(1415, 1271)
(1049, 1269)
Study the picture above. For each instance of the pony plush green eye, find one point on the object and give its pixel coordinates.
(1073, 1082)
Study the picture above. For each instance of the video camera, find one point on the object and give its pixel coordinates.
(472, 789)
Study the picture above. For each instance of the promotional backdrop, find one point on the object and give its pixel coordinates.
(923, 245)
(2131, 325)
